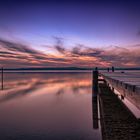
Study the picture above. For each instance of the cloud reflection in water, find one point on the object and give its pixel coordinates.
(21, 84)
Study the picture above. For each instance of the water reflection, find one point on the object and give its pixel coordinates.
(54, 106)
(21, 84)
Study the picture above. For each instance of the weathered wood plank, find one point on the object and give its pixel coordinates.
(127, 84)
(117, 122)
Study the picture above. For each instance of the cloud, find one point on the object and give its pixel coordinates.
(60, 49)
(19, 55)
(59, 45)
(85, 51)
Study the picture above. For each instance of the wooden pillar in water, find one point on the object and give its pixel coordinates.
(2, 78)
(107, 69)
(113, 69)
(94, 99)
(95, 112)
(95, 81)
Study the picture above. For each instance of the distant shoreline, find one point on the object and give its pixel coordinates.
(45, 71)
(65, 69)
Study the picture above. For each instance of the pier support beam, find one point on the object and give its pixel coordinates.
(94, 98)
(95, 112)
(2, 78)
(113, 69)
(95, 82)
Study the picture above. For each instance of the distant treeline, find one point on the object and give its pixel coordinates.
(68, 68)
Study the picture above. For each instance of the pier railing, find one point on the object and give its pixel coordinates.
(126, 84)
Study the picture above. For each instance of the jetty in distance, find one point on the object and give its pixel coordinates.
(119, 101)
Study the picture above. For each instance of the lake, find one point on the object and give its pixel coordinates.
(49, 105)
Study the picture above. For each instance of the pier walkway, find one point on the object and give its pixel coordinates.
(117, 122)
(127, 84)
(120, 117)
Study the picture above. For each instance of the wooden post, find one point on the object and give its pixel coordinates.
(107, 69)
(94, 98)
(113, 69)
(95, 112)
(2, 78)
(95, 82)
(113, 89)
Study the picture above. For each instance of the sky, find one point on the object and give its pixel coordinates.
(69, 33)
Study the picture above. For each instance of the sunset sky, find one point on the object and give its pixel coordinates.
(69, 33)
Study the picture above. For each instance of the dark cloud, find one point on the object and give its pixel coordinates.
(18, 55)
(5, 52)
(59, 45)
(60, 49)
(84, 51)
(15, 47)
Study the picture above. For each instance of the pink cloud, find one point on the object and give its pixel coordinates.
(18, 55)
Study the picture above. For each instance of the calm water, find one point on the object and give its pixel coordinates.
(52, 106)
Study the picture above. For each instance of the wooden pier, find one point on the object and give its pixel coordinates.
(127, 84)
(117, 120)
